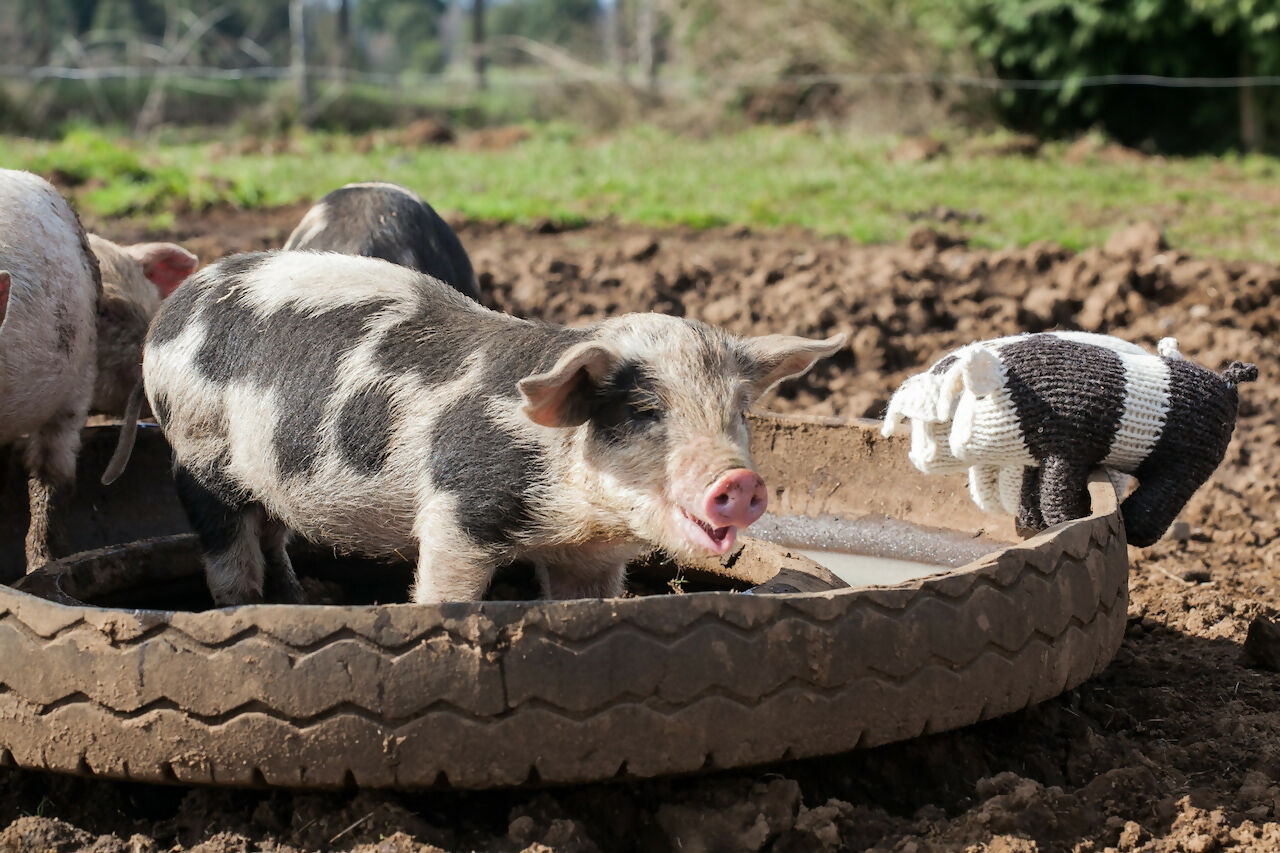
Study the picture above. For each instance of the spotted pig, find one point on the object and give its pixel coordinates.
(372, 408)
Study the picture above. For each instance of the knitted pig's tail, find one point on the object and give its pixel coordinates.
(1238, 372)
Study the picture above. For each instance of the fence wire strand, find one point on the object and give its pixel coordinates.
(267, 72)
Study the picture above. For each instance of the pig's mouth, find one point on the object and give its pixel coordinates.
(703, 536)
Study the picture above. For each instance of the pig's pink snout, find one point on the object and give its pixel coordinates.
(736, 499)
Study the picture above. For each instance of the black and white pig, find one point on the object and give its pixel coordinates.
(74, 311)
(388, 221)
(372, 408)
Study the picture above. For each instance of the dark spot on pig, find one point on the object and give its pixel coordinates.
(364, 429)
(489, 471)
(305, 374)
(211, 507)
(64, 328)
(440, 328)
(396, 226)
(174, 315)
(184, 304)
(281, 352)
(944, 365)
(627, 403)
(451, 331)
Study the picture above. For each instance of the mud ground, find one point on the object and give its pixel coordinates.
(1175, 747)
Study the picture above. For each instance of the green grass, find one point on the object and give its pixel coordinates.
(832, 183)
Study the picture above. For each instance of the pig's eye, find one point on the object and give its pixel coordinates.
(644, 408)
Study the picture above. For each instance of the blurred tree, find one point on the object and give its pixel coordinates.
(411, 26)
(1074, 39)
(143, 17)
(566, 23)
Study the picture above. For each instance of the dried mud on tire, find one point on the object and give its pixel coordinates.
(1175, 746)
(502, 693)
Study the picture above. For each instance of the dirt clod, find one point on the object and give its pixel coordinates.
(1262, 644)
(1137, 241)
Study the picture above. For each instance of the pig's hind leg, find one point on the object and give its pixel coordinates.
(50, 461)
(280, 584)
(230, 541)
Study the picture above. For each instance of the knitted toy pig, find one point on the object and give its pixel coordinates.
(1029, 416)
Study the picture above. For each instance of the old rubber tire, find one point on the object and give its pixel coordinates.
(481, 695)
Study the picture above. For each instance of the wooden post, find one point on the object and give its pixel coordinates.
(1251, 131)
(613, 37)
(450, 31)
(477, 44)
(344, 35)
(44, 38)
(646, 52)
(298, 40)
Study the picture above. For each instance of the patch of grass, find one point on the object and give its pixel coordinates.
(827, 181)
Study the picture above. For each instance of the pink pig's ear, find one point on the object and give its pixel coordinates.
(557, 398)
(780, 357)
(4, 293)
(166, 265)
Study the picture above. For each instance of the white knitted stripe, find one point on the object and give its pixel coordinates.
(930, 452)
(984, 488)
(1009, 481)
(986, 430)
(1146, 403)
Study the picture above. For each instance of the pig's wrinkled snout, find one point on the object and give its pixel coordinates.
(735, 500)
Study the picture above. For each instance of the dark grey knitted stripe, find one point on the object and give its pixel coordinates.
(1068, 396)
(941, 367)
(1198, 426)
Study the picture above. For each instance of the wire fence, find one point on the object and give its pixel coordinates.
(607, 76)
(611, 76)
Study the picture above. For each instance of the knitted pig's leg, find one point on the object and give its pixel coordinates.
(1030, 520)
(1064, 490)
(1154, 505)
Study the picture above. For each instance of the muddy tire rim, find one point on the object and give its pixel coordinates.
(491, 694)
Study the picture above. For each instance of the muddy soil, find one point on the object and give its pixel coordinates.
(1175, 747)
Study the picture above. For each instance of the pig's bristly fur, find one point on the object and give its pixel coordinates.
(370, 407)
(49, 340)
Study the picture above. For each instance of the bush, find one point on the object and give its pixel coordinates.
(1073, 39)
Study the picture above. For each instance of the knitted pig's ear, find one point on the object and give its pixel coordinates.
(915, 399)
(1168, 348)
(981, 371)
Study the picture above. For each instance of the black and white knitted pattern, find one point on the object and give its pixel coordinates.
(1031, 415)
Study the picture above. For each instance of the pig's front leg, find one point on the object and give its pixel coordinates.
(451, 566)
(1030, 519)
(597, 571)
(1064, 490)
(447, 575)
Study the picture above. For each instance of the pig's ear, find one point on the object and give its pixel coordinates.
(166, 265)
(780, 357)
(557, 398)
(4, 293)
